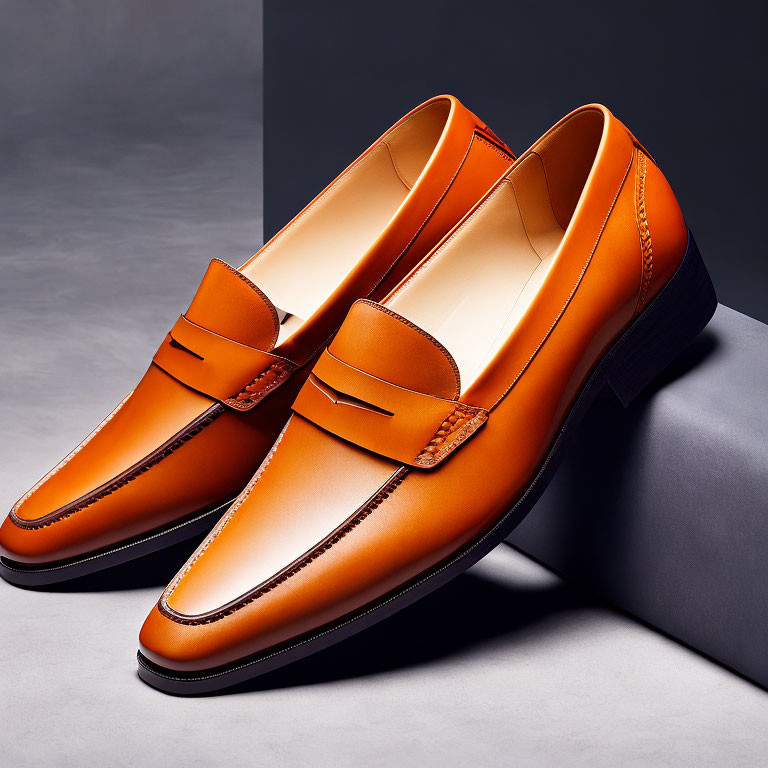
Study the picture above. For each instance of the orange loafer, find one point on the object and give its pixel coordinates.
(434, 419)
(167, 461)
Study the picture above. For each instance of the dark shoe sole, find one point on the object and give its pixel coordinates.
(670, 322)
(25, 575)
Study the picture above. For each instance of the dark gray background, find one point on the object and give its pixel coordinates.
(130, 149)
(688, 78)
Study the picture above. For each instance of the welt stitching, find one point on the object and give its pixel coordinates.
(426, 335)
(123, 479)
(572, 293)
(299, 564)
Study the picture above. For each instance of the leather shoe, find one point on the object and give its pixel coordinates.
(166, 463)
(434, 419)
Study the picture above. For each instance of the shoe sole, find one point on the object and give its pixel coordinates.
(669, 323)
(25, 575)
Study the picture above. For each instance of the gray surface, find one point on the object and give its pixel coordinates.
(104, 236)
(506, 666)
(661, 508)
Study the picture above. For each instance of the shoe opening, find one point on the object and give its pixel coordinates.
(473, 290)
(304, 263)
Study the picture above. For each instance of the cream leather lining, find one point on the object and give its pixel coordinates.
(471, 293)
(302, 265)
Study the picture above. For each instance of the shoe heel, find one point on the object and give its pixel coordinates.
(671, 321)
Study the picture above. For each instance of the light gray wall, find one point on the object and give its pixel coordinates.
(130, 155)
(126, 64)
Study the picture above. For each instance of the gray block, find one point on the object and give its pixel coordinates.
(663, 508)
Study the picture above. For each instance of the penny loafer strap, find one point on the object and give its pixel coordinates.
(235, 374)
(409, 427)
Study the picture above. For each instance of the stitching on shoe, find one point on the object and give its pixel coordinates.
(267, 381)
(463, 422)
(155, 457)
(291, 570)
(646, 244)
(494, 148)
(210, 538)
(66, 459)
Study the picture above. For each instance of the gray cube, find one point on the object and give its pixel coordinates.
(662, 508)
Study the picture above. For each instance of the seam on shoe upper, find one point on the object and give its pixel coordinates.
(373, 502)
(221, 525)
(87, 439)
(398, 171)
(425, 334)
(571, 294)
(500, 152)
(117, 482)
(646, 243)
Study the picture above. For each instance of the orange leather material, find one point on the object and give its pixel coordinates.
(214, 365)
(659, 214)
(291, 521)
(196, 475)
(229, 304)
(407, 426)
(569, 208)
(95, 461)
(390, 347)
(458, 173)
(189, 441)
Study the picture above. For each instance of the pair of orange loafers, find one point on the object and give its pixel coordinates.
(431, 327)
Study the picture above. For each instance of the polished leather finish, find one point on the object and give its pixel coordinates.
(399, 422)
(340, 514)
(219, 388)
